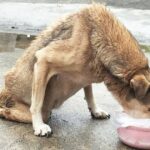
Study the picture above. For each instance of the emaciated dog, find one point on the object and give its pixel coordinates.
(89, 46)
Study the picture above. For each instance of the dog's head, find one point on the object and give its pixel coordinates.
(138, 101)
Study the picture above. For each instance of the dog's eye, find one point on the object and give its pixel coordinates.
(148, 109)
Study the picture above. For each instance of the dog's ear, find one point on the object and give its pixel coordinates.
(140, 85)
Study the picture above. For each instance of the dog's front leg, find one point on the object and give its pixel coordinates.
(96, 112)
(40, 78)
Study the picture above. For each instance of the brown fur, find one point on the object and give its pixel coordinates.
(87, 47)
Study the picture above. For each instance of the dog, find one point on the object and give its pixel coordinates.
(89, 46)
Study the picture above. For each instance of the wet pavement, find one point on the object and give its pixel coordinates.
(72, 125)
(136, 20)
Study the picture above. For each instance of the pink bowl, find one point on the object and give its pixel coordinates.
(133, 132)
(135, 137)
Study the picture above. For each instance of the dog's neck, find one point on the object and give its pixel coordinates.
(124, 91)
(119, 89)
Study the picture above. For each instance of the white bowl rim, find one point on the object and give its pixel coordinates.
(124, 120)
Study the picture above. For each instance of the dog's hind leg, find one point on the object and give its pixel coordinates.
(96, 112)
(13, 109)
(19, 112)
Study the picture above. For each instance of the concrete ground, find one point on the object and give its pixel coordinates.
(72, 124)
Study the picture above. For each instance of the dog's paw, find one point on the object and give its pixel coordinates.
(99, 114)
(42, 130)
